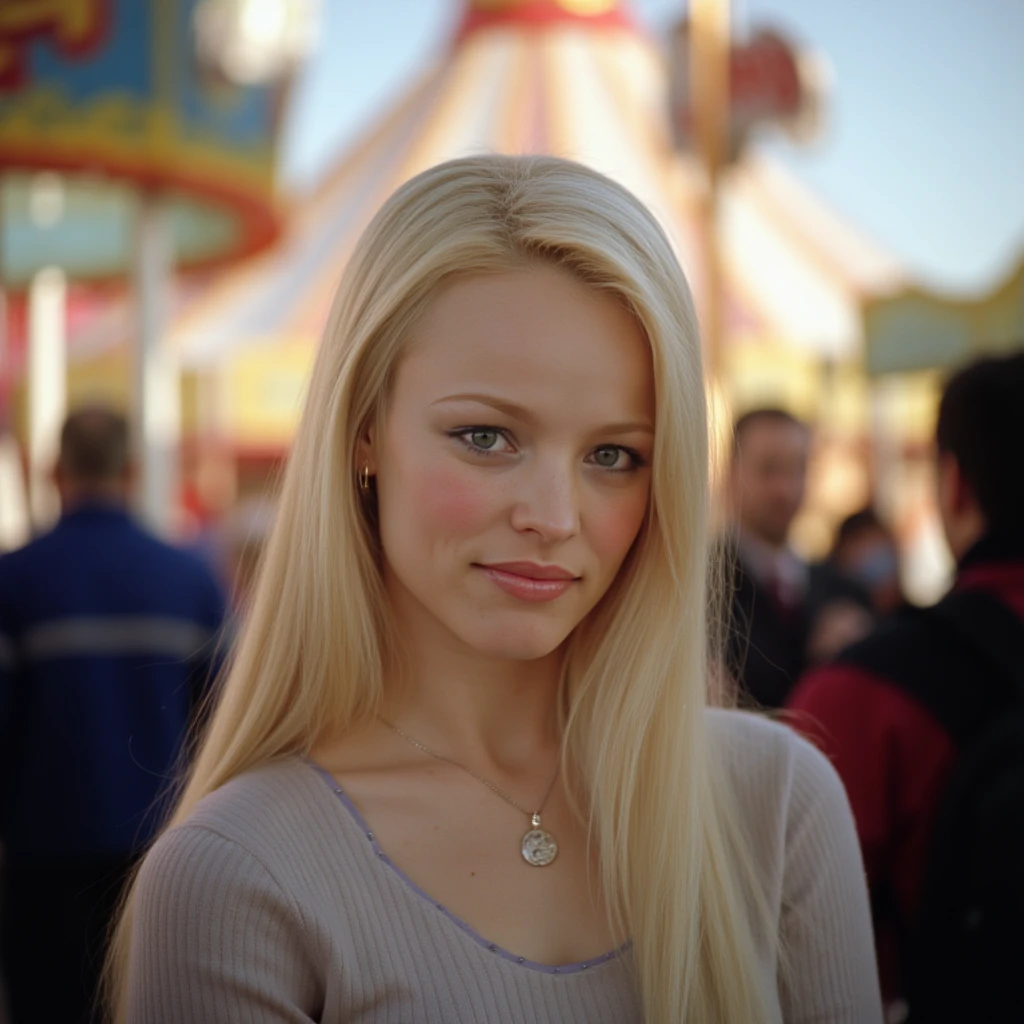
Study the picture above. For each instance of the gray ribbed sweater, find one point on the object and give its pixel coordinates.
(271, 904)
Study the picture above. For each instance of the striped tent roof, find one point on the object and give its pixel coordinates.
(579, 79)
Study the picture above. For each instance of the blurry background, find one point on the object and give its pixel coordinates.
(183, 181)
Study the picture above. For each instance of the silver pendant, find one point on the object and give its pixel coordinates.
(539, 846)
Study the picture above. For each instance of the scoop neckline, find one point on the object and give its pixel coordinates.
(463, 926)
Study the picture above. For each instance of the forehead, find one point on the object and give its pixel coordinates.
(538, 332)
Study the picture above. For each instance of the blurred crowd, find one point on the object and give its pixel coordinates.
(920, 709)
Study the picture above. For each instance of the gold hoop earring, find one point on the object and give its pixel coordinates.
(364, 479)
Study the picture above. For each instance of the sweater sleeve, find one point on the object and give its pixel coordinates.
(828, 967)
(216, 939)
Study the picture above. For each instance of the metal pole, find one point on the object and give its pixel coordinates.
(709, 36)
(157, 376)
(47, 388)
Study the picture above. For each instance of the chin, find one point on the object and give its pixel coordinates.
(511, 643)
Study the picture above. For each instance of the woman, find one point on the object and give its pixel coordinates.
(866, 551)
(462, 769)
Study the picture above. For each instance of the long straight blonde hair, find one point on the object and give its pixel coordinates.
(310, 658)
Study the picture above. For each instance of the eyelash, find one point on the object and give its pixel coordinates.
(463, 433)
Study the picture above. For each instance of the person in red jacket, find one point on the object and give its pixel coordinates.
(883, 710)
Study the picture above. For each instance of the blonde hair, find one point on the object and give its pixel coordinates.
(310, 659)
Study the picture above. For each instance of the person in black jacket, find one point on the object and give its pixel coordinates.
(903, 712)
(785, 612)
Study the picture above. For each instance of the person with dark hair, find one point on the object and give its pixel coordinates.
(782, 607)
(93, 451)
(924, 721)
(107, 641)
(865, 551)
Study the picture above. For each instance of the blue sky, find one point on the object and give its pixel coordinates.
(924, 144)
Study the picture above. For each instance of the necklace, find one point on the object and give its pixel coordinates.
(538, 845)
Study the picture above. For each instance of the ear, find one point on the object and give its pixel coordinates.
(366, 449)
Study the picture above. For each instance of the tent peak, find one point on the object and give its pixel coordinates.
(541, 14)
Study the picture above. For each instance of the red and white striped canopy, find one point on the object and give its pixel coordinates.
(577, 78)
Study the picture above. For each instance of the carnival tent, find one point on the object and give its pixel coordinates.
(577, 79)
(545, 76)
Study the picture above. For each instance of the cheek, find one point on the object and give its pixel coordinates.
(615, 527)
(449, 502)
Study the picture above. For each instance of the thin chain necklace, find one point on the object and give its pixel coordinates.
(538, 845)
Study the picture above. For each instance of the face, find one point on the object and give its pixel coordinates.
(512, 467)
(871, 558)
(869, 555)
(769, 478)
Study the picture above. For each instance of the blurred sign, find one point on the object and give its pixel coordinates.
(919, 330)
(770, 83)
(75, 28)
(109, 94)
(264, 389)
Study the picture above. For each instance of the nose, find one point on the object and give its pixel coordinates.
(547, 503)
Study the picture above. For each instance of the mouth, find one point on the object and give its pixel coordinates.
(529, 581)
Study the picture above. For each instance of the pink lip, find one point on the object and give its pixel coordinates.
(532, 571)
(529, 581)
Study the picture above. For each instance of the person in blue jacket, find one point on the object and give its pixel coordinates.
(109, 640)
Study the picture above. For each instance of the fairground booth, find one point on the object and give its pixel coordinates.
(137, 155)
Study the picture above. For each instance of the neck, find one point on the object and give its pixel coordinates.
(74, 495)
(473, 708)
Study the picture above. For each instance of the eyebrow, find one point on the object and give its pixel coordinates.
(523, 414)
